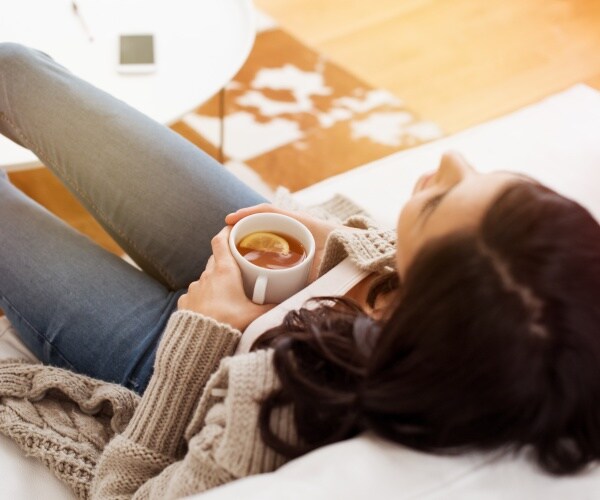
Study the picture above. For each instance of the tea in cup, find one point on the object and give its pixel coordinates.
(271, 250)
(274, 253)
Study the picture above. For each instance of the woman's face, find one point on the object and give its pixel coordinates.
(453, 198)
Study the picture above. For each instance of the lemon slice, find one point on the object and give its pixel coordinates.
(265, 242)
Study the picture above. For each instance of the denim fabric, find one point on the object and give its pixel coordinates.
(160, 197)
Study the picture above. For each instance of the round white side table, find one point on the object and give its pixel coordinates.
(199, 46)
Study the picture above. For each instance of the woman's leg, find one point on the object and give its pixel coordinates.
(74, 304)
(158, 195)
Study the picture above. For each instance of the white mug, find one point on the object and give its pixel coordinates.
(272, 286)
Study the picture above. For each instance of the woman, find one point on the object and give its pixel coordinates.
(490, 342)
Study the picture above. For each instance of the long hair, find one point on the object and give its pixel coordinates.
(494, 343)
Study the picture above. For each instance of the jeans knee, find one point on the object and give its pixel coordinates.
(14, 55)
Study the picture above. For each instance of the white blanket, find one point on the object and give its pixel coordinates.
(556, 141)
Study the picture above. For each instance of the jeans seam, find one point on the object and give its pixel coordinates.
(38, 333)
(165, 275)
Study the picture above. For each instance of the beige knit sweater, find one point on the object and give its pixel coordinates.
(195, 427)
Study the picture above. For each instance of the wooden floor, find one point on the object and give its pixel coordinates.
(455, 62)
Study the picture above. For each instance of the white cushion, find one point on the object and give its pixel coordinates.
(370, 468)
(554, 141)
(10, 344)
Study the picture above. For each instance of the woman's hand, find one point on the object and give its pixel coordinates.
(219, 292)
(320, 229)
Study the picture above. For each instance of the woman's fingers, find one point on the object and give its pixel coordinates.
(220, 246)
(256, 209)
(210, 263)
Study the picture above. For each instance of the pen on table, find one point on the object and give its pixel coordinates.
(85, 26)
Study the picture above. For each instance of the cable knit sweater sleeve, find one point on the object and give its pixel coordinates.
(189, 352)
(370, 248)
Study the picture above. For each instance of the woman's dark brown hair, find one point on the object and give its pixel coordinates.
(494, 343)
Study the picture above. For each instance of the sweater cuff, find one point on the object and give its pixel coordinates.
(190, 350)
(371, 250)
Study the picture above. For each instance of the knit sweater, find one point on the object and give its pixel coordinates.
(196, 426)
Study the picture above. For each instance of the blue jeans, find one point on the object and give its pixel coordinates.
(162, 199)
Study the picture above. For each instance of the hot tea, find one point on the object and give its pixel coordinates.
(271, 250)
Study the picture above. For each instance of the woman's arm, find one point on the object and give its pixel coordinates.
(196, 473)
(190, 351)
(204, 331)
(371, 249)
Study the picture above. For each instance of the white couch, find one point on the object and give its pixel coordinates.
(556, 141)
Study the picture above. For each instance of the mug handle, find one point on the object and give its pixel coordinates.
(260, 290)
